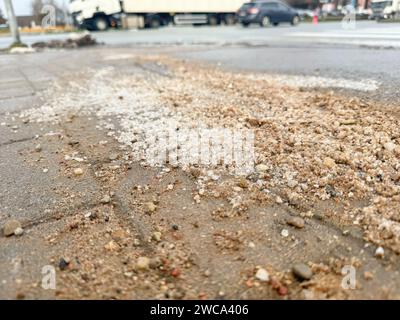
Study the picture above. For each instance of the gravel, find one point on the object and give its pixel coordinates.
(310, 147)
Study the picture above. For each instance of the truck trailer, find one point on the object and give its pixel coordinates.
(103, 14)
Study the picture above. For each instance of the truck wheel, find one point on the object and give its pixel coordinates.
(101, 23)
(230, 19)
(264, 22)
(213, 20)
(155, 22)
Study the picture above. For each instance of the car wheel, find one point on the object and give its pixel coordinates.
(264, 21)
(101, 23)
(295, 20)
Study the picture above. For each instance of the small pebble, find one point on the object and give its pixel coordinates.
(261, 168)
(380, 252)
(296, 222)
(19, 232)
(197, 198)
(285, 233)
(389, 146)
(63, 264)
(10, 227)
(111, 246)
(73, 142)
(329, 162)
(302, 271)
(143, 263)
(262, 275)
(106, 199)
(157, 236)
(78, 171)
(368, 275)
(150, 207)
(113, 156)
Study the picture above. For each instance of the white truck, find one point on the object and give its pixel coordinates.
(103, 14)
(385, 9)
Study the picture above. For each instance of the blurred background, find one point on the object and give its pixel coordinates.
(104, 14)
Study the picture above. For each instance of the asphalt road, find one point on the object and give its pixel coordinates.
(368, 33)
(332, 61)
(370, 51)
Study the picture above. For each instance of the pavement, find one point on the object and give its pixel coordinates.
(41, 191)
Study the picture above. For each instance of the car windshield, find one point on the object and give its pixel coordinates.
(248, 6)
(381, 5)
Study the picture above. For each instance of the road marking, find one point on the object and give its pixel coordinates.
(345, 35)
(384, 37)
(319, 82)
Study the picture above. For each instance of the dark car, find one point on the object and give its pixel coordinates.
(266, 13)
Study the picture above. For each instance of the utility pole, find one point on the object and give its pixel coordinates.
(12, 22)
